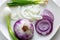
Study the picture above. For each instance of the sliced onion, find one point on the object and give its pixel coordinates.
(44, 27)
(48, 18)
(46, 13)
(23, 29)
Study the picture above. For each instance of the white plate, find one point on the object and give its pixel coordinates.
(51, 6)
(2, 2)
(57, 2)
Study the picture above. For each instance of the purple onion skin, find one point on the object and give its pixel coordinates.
(46, 30)
(24, 36)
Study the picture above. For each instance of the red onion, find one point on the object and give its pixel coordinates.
(44, 27)
(23, 29)
(48, 18)
(46, 13)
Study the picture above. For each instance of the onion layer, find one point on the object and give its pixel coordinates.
(23, 29)
(46, 13)
(44, 27)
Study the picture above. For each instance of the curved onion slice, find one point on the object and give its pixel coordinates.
(44, 27)
(48, 18)
(23, 29)
(47, 13)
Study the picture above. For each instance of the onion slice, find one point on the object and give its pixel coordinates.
(46, 13)
(23, 29)
(44, 27)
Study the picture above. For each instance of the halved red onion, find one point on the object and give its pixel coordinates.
(46, 13)
(44, 27)
(23, 29)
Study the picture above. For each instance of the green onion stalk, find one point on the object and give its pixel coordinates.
(24, 2)
(7, 20)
